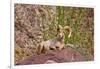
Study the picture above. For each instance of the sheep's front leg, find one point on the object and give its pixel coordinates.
(53, 47)
(61, 47)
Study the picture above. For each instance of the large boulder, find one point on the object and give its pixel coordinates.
(66, 55)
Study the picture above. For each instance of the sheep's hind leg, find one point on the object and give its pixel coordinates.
(39, 49)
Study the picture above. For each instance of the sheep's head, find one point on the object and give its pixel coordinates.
(60, 31)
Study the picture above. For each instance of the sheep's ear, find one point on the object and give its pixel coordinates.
(59, 26)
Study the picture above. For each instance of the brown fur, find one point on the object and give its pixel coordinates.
(56, 43)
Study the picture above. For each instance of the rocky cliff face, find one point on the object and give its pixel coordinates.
(30, 23)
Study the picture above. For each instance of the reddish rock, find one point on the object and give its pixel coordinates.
(65, 55)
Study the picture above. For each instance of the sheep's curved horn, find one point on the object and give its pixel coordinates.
(69, 29)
